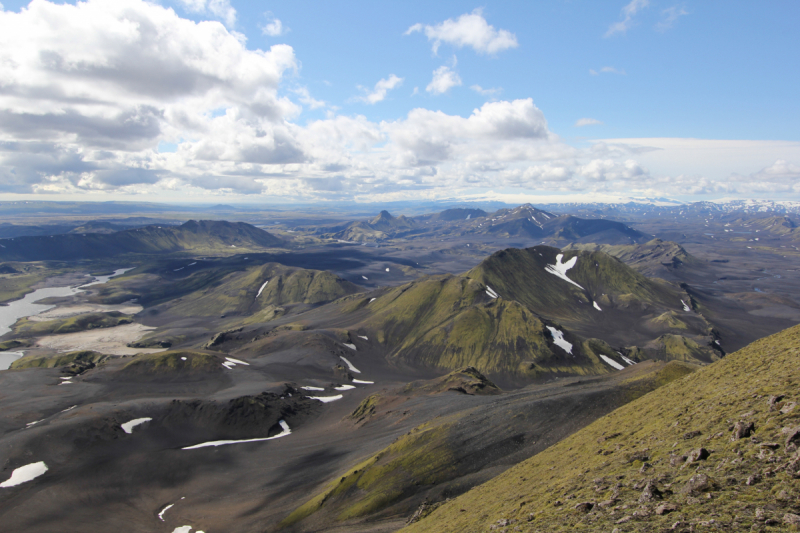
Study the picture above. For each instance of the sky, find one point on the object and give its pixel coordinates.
(364, 101)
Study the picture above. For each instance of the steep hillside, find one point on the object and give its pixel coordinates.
(449, 454)
(716, 450)
(258, 291)
(590, 293)
(449, 322)
(205, 236)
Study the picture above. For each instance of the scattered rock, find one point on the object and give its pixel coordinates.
(691, 434)
(788, 408)
(760, 515)
(773, 400)
(698, 454)
(607, 503)
(650, 493)
(742, 430)
(783, 496)
(770, 445)
(584, 507)
(791, 519)
(642, 455)
(752, 480)
(666, 508)
(793, 437)
(676, 460)
(699, 483)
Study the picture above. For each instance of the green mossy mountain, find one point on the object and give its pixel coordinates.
(197, 237)
(716, 449)
(33, 328)
(258, 292)
(449, 322)
(601, 293)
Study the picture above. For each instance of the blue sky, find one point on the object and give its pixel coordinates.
(581, 99)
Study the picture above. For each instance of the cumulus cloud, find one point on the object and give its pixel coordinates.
(274, 27)
(586, 122)
(91, 90)
(444, 79)
(378, 93)
(486, 92)
(670, 16)
(470, 29)
(124, 75)
(628, 12)
(304, 96)
(607, 70)
(221, 9)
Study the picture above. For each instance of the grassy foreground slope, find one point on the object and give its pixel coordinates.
(717, 449)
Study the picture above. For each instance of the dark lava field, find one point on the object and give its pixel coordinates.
(258, 371)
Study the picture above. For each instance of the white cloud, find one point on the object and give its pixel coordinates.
(221, 9)
(305, 98)
(607, 70)
(486, 92)
(471, 30)
(628, 12)
(587, 122)
(378, 93)
(669, 16)
(444, 79)
(274, 27)
(91, 90)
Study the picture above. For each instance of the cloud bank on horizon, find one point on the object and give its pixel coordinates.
(131, 98)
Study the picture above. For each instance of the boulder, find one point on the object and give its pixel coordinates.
(742, 430)
(699, 483)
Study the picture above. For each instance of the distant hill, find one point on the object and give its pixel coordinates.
(524, 221)
(203, 236)
(715, 450)
(381, 227)
(655, 258)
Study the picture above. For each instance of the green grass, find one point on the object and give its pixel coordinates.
(171, 361)
(79, 358)
(30, 328)
(603, 462)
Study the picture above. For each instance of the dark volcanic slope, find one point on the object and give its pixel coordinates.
(720, 444)
(205, 236)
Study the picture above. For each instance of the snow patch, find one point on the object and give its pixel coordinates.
(629, 361)
(363, 382)
(312, 388)
(229, 365)
(611, 362)
(363, 337)
(261, 288)
(344, 387)
(686, 306)
(351, 346)
(164, 510)
(558, 340)
(365, 277)
(327, 399)
(387, 269)
(127, 427)
(30, 424)
(560, 269)
(183, 359)
(284, 425)
(350, 365)
(69, 408)
(236, 361)
(596, 306)
(25, 473)
(491, 292)
(371, 300)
